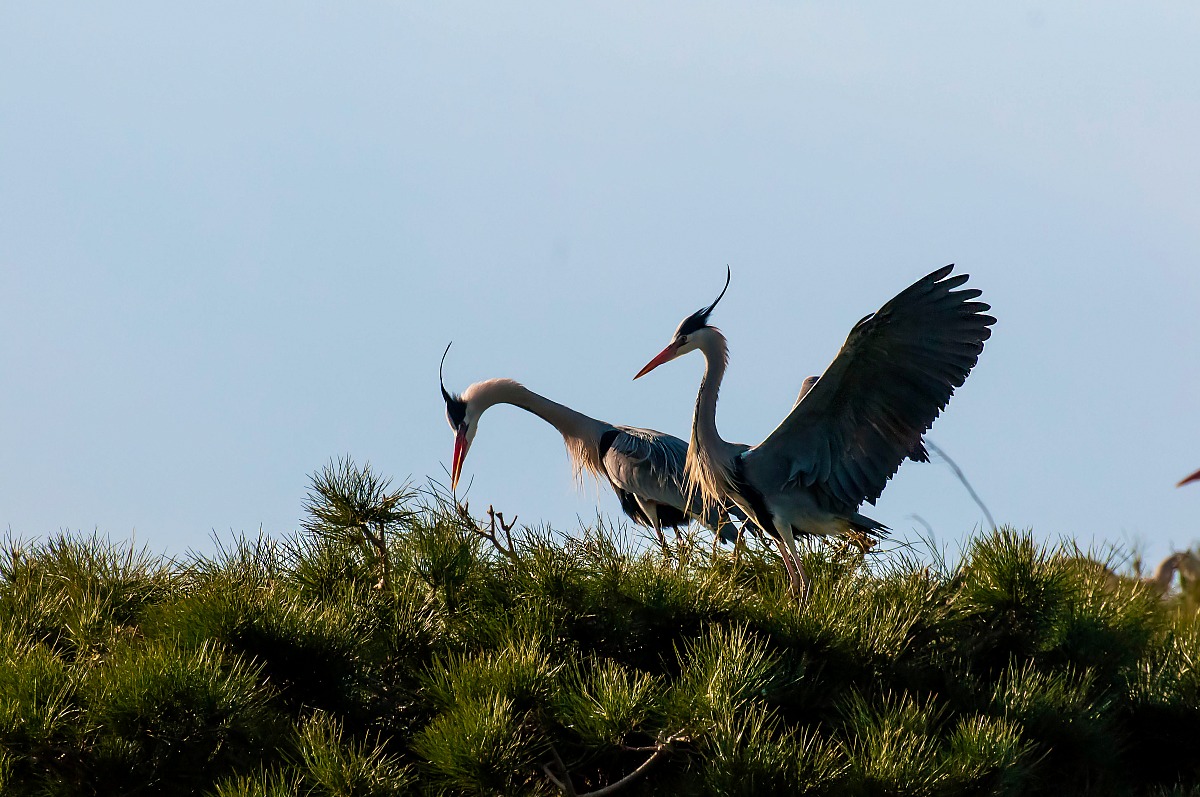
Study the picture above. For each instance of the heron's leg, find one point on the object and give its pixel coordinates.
(737, 541)
(651, 511)
(658, 531)
(788, 564)
(800, 580)
(802, 584)
(662, 539)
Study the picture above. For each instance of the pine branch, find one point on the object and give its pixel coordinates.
(356, 503)
(656, 751)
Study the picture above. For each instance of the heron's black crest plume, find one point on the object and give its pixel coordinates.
(699, 319)
(456, 408)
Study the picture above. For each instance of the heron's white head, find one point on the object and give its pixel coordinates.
(464, 410)
(689, 335)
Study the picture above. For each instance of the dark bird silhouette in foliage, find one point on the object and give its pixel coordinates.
(643, 467)
(850, 431)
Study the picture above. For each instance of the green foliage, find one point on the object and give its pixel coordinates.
(605, 703)
(521, 671)
(345, 499)
(165, 716)
(392, 649)
(480, 746)
(261, 784)
(752, 753)
(39, 711)
(722, 674)
(337, 768)
(894, 746)
(987, 755)
(79, 595)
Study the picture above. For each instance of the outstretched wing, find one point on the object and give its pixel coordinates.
(898, 368)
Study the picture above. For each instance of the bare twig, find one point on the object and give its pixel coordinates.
(923, 522)
(565, 788)
(565, 785)
(507, 527)
(507, 548)
(962, 478)
(656, 751)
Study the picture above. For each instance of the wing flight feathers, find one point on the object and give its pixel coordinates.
(868, 411)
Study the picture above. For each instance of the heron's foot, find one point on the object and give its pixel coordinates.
(800, 585)
(662, 541)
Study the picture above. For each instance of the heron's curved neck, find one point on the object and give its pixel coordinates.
(704, 419)
(566, 420)
(709, 458)
(580, 432)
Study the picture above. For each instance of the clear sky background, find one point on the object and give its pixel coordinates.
(235, 238)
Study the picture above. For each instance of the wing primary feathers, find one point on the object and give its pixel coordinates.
(867, 413)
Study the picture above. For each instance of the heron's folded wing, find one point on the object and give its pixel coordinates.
(649, 464)
(897, 370)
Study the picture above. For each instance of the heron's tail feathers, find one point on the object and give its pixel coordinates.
(863, 531)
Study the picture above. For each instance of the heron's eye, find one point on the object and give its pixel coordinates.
(681, 340)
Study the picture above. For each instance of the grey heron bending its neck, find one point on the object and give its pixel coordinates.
(848, 434)
(643, 467)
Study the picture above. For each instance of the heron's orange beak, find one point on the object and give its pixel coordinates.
(460, 454)
(1195, 477)
(660, 358)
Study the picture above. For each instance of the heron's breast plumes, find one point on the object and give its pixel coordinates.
(585, 458)
(707, 478)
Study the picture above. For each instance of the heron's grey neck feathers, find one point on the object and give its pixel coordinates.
(709, 462)
(580, 433)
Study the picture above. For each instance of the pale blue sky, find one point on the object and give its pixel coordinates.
(235, 238)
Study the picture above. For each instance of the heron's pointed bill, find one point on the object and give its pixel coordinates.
(460, 454)
(660, 358)
(1195, 477)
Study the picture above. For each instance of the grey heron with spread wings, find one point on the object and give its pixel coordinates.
(850, 430)
(643, 467)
